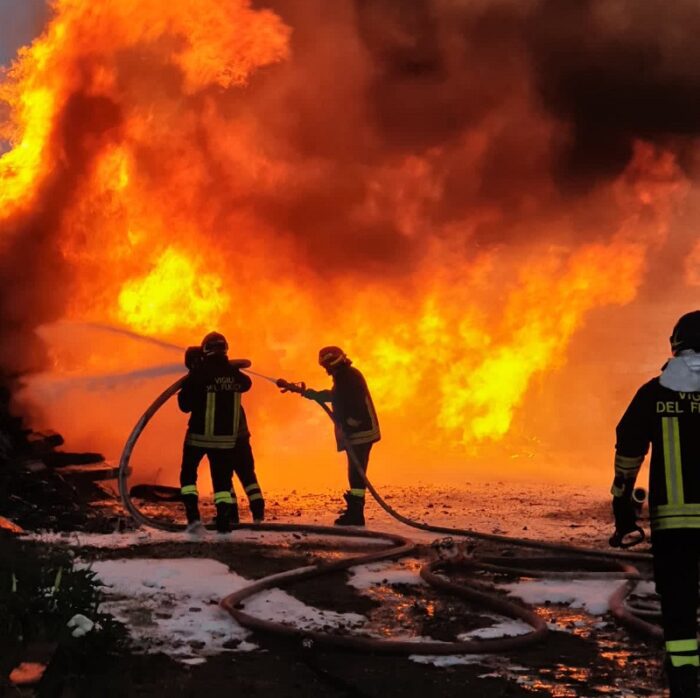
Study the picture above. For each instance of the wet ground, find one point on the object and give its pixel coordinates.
(585, 654)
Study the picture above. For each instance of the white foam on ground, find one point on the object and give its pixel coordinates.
(589, 594)
(645, 589)
(505, 628)
(449, 660)
(172, 605)
(277, 605)
(380, 573)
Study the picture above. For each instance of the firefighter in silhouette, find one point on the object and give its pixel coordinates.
(217, 428)
(665, 413)
(356, 425)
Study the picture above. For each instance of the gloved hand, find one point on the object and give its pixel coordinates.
(625, 523)
(193, 357)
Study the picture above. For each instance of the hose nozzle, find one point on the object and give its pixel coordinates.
(287, 387)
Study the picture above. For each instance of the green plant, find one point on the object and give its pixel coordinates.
(42, 589)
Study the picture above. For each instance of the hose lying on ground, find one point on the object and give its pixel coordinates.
(475, 592)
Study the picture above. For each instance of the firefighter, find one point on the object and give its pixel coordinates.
(217, 428)
(356, 425)
(665, 413)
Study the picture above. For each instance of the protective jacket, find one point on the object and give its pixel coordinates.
(353, 408)
(667, 418)
(212, 393)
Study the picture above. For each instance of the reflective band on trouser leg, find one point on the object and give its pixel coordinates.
(357, 492)
(672, 460)
(189, 490)
(223, 498)
(683, 652)
(253, 492)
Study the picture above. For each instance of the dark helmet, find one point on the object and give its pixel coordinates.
(686, 333)
(214, 343)
(330, 357)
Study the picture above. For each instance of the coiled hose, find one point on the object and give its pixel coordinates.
(595, 562)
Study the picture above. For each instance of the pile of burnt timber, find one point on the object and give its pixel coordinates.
(43, 487)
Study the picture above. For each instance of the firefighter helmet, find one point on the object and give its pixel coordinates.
(329, 357)
(214, 343)
(686, 333)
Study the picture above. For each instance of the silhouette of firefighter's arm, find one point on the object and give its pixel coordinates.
(634, 435)
(318, 395)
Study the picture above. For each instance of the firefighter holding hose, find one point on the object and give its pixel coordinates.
(665, 413)
(217, 428)
(356, 425)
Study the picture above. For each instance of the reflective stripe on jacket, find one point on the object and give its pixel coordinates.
(212, 394)
(669, 421)
(353, 408)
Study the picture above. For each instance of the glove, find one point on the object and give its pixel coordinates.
(193, 357)
(625, 515)
(625, 523)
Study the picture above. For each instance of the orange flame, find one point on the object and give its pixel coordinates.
(162, 239)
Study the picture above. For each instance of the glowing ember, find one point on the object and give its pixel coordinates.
(27, 673)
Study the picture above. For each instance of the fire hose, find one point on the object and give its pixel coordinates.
(596, 563)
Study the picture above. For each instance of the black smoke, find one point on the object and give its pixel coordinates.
(517, 110)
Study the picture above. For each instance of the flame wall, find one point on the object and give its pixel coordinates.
(474, 199)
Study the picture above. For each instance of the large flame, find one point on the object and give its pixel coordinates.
(164, 117)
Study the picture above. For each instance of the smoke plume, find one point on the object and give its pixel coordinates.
(460, 180)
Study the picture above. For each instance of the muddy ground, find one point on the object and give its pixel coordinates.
(587, 658)
(583, 656)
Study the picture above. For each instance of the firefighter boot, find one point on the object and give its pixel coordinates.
(354, 514)
(191, 508)
(257, 509)
(226, 516)
(683, 681)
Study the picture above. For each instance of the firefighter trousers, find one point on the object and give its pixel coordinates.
(676, 556)
(361, 451)
(223, 463)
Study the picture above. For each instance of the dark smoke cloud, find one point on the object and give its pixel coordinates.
(612, 70)
(34, 278)
(616, 71)
(558, 89)
(518, 108)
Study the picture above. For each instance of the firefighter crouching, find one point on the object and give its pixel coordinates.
(356, 424)
(218, 429)
(665, 413)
